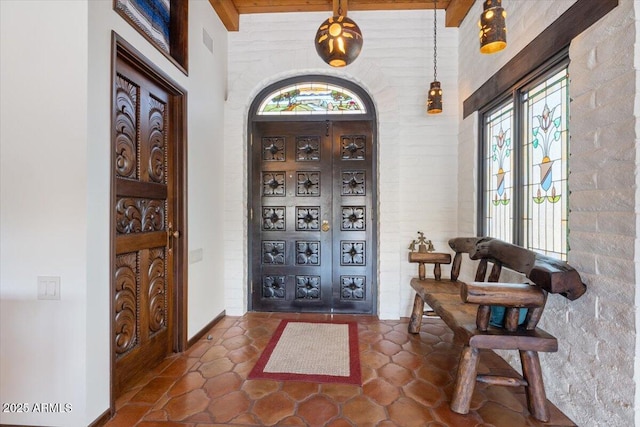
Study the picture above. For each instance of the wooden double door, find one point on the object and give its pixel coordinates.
(312, 216)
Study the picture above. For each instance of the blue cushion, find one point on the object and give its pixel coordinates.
(497, 316)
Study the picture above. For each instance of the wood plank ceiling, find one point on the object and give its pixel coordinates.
(229, 11)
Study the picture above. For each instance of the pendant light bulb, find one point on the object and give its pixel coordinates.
(493, 29)
(434, 100)
(339, 40)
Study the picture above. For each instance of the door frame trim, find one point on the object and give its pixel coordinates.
(370, 115)
(177, 126)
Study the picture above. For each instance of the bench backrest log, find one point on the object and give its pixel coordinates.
(552, 275)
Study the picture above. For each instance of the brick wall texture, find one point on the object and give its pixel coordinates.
(592, 377)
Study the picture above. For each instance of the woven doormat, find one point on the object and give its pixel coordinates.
(311, 351)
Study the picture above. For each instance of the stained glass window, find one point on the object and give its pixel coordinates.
(499, 172)
(311, 98)
(525, 166)
(545, 111)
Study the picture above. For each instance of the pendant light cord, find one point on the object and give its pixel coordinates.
(435, 43)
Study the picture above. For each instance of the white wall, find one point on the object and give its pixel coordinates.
(591, 377)
(207, 85)
(603, 226)
(416, 152)
(636, 376)
(54, 200)
(43, 203)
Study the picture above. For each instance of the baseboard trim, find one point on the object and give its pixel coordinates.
(102, 419)
(206, 328)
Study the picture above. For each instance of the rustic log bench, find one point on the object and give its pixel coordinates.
(466, 308)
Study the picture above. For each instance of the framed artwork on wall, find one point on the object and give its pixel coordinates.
(164, 23)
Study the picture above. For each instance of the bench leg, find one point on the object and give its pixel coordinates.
(465, 381)
(536, 397)
(416, 315)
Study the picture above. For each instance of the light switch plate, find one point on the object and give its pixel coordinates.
(196, 255)
(49, 287)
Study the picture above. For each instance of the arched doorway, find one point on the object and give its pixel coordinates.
(312, 198)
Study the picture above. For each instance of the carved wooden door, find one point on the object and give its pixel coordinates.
(143, 211)
(311, 236)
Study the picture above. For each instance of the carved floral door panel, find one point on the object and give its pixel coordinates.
(311, 217)
(354, 249)
(143, 213)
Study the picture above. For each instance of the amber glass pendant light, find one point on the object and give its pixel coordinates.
(339, 39)
(434, 100)
(493, 29)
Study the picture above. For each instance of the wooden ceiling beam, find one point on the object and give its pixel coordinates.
(279, 6)
(456, 12)
(228, 13)
(276, 6)
(397, 5)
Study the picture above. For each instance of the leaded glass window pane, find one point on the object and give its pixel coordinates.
(525, 146)
(499, 173)
(311, 98)
(546, 118)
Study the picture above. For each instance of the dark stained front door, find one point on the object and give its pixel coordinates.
(312, 242)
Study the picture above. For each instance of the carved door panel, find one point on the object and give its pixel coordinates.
(311, 234)
(354, 245)
(143, 209)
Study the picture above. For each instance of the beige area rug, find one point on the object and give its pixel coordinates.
(311, 351)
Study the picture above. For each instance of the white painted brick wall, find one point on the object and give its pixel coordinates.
(592, 377)
(417, 153)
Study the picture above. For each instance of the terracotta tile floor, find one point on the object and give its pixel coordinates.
(407, 381)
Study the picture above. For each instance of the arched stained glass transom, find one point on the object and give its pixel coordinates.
(309, 98)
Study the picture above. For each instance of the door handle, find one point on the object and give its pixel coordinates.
(325, 225)
(171, 234)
